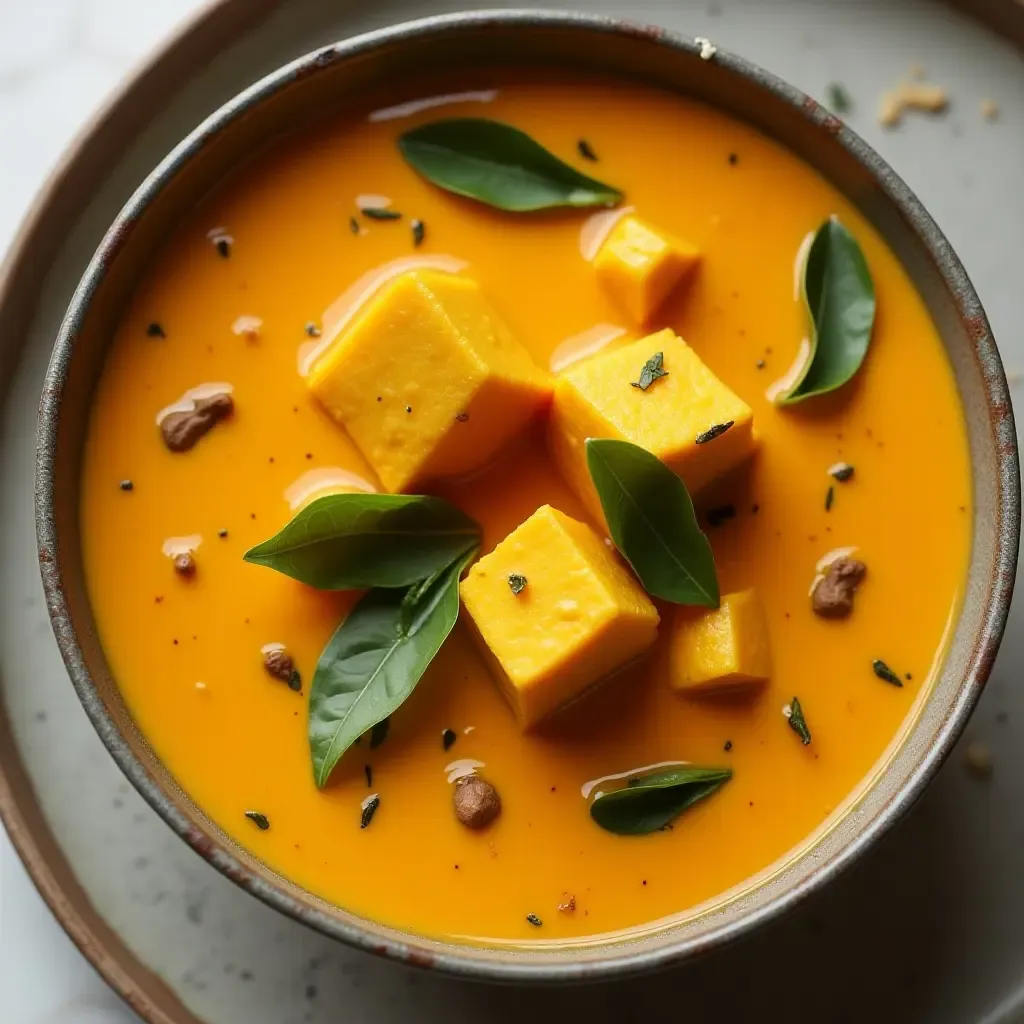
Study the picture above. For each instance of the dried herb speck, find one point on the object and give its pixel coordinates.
(516, 583)
(368, 772)
(797, 722)
(841, 471)
(353, 225)
(722, 514)
(154, 330)
(716, 431)
(379, 733)
(885, 673)
(586, 150)
(838, 98)
(419, 232)
(728, 746)
(653, 369)
(223, 245)
(534, 920)
(734, 159)
(830, 495)
(126, 485)
(295, 681)
(312, 330)
(222, 533)
(380, 213)
(760, 364)
(448, 738)
(259, 820)
(369, 808)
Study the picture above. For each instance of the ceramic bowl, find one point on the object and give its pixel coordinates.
(294, 95)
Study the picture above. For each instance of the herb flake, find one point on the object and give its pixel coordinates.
(448, 739)
(797, 722)
(885, 673)
(516, 583)
(312, 330)
(368, 772)
(841, 471)
(586, 150)
(534, 920)
(838, 98)
(830, 495)
(295, 681)
(713, 432)
(380, 213)
(653, 369)
(369, 809)
(154, 330)
(127, 485)
(419, 232)
(353, 225)
(259, 820)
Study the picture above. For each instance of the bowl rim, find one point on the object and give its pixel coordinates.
(507, 965)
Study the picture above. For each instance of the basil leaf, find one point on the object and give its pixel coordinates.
(651, 519)
(497, 164)
(840, 297)
(374, 661)
(348, 541)
(650, 802)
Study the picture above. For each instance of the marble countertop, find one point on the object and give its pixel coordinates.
(59, 59)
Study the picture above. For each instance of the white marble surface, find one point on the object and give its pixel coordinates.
(941, 876)
(58, 60)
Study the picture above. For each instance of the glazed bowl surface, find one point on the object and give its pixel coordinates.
(324, 80)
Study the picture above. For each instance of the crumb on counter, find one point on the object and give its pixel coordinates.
(914, 95)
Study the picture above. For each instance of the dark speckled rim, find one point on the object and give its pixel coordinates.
(891, 793)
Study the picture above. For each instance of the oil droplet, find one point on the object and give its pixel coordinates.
(597, 227)
(187, 402)
(174, 546)
(248, 327)
(315, 483)
(444, 100)
(586, 343)
(461, 768)
(588, 787)
(337, 315)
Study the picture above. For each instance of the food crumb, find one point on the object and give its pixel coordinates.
(990, 110)
(182, 430)
(832, 592)
(248, 327)
(569, 905)
(930, 99)
(978, 760)
(280, 664)
(707, 48)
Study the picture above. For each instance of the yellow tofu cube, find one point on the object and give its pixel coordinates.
(427, 380)
(679, 417)
(639, 266)
(721, 649)
(578, 615)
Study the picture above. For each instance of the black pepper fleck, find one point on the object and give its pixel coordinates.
(368, 772)
(534, 920)
(419, 232)
(586, 150)
(222, 533)
(728, 746)
(734, 159)
(369, 810)
(312, 330)
(223, 247)
(448, 739)
(126, 485)
(154, 330)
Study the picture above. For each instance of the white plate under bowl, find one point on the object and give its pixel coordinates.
(929, 928)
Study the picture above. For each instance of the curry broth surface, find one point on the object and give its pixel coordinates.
(238, 743)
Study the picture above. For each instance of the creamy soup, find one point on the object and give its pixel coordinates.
(270, 275)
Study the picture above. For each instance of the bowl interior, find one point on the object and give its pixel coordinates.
(327, 81)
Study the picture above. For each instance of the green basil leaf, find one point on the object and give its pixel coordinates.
(351, 541)
(497, 164)
(374, 661)
(650, 802)
(651, 519)
(840, 297)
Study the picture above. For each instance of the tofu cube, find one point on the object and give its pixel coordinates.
(579, 614)
(427, 380)
(639, 266)
(721, 649)
(679, 417)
